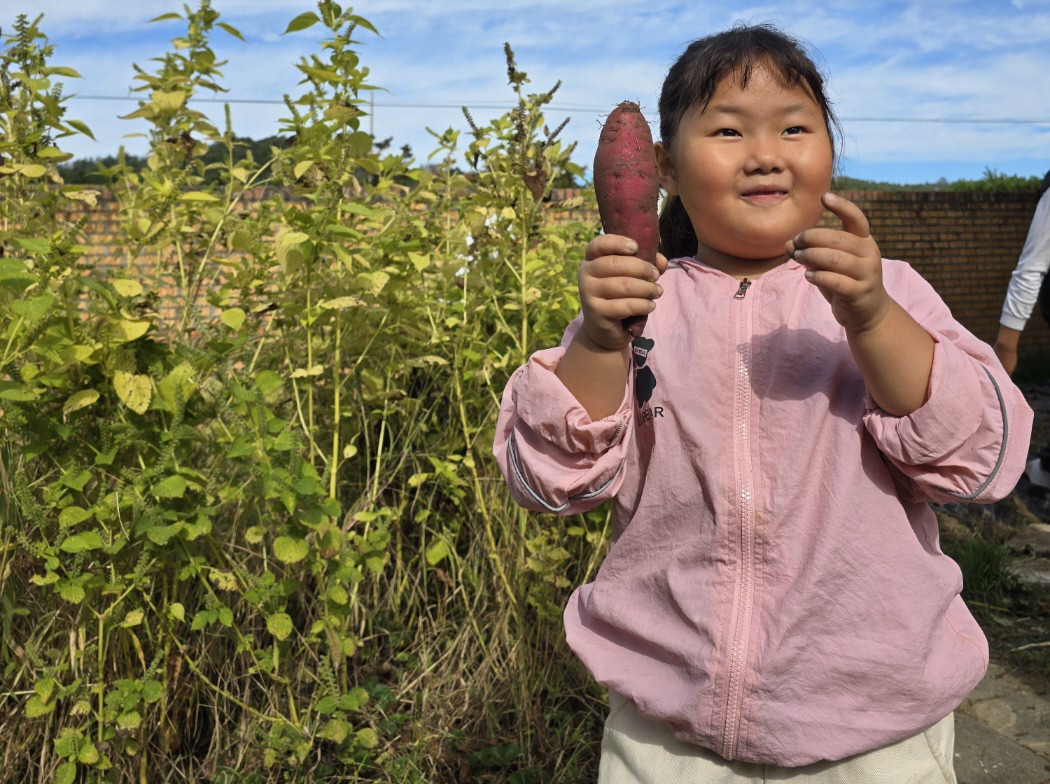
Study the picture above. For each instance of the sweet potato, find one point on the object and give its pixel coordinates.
(626, 184)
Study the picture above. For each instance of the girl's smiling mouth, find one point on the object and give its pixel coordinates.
(765, 194)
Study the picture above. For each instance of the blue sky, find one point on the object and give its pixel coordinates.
(887, 61)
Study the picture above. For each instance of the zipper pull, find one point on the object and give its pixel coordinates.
(740, 292)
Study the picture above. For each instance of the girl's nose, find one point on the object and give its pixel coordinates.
(764, 156)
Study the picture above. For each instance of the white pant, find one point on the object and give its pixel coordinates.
(638, 751)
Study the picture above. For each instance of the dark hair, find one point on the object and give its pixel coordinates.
(692, 82)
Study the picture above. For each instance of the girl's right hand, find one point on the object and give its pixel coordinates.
(615, 284)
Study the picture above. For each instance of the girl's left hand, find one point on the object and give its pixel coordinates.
(846, 266)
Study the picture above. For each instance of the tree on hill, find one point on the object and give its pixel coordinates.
(992, 182)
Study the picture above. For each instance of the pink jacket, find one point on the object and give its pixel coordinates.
(775, 590)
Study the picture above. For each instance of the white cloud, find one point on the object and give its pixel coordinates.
(957, 58)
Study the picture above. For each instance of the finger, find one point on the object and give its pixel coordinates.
(832, 283)
(623, 288)
(610, 245)
(829, 259)
(853, 218)
(827, 238)
(616, 310)
(621, 267)
(661, 263)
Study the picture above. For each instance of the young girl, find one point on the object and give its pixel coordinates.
(774, 605)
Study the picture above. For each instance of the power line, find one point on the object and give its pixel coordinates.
(588, 109)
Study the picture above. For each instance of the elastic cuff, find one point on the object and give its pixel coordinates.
(1013, 322)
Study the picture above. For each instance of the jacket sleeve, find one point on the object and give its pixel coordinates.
(969, 440)
(1027, 278)
(553, 457)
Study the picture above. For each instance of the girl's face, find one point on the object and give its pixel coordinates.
(750, 170)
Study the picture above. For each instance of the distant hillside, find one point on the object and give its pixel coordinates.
(991, 182)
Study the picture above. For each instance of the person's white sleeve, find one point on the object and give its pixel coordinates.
(1032, 266)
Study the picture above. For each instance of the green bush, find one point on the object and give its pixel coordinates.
(252, 529)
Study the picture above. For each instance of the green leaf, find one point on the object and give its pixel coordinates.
(418, 261)
(168, 102)
(67, 743)
(338, 594)
(231, 30)
(129, 721)
(165, 17)
(162, 534)
(79, 400)
(32, 170)
(360, 209)
(72, 515)
(126, 330)
(437, 552)
(268, 382)
(33, 245)
(76, 480)
(360, 21)
(301, 22)
(280, 625)
(126, 287)
(373, 281)
(302, 168)
(203, 618)
(289, 550)
(78, 543)
(73, 594)
(37, 707)
(66, 773)
(12, 390)
(32, 310)
(45, 687)
(78, 353)
(134, 391)
(133, 618)
(180, 382)
(172, 487)
(233, 318)
(152, 691)
(340, 303)
(61, 70)
(177, 611)
(367, 738)
(198, 196)
(336, 731)
(88, 754)
(353, 699)
(289, 248)
(79, 126)
(326, 706)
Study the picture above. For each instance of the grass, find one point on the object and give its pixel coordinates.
(1014, 615)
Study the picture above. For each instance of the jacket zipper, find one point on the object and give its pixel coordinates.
(743, 600)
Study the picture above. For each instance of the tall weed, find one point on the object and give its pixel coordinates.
(252, 529)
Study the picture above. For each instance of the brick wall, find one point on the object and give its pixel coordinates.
(964, 244)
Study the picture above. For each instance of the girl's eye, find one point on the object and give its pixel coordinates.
(794, 129)
(726, 132)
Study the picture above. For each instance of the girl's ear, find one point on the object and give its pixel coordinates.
(666, 169)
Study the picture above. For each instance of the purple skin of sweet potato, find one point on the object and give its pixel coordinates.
(627, 186)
